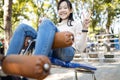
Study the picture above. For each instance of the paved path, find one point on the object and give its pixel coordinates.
(105, 71)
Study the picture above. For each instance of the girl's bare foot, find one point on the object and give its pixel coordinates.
(63, 39)
(36, 67)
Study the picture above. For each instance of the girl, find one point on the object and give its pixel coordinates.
(67, 23)
(47, 31)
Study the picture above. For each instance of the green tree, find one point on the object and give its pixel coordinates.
(7, 20)
(109, 7)
(1, 15)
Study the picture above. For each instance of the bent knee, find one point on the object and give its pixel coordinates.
(22, 26)
(47, 23)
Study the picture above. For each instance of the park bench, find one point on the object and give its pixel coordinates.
(78, 68)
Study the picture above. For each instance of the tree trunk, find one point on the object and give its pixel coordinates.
(7, 21)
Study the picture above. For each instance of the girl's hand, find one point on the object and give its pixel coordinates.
(86, 19)
(41, 19)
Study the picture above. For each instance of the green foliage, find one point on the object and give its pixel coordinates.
(1, 16)
(32, 10)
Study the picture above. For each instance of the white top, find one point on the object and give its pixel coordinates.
(79, 36)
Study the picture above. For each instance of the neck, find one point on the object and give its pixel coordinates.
(65, 20)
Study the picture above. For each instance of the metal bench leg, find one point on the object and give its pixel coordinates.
(86, 72)
(76, 77)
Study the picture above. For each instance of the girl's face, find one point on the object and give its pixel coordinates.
(64, 11)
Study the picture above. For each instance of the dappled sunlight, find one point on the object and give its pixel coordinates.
(103, 69)
(62, 76)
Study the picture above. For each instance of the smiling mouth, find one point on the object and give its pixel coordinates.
(63, 14)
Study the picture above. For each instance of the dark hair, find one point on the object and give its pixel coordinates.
(70, 18)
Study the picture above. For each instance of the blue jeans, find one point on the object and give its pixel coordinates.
(44, 40)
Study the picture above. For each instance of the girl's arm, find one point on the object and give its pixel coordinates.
(81, 31)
